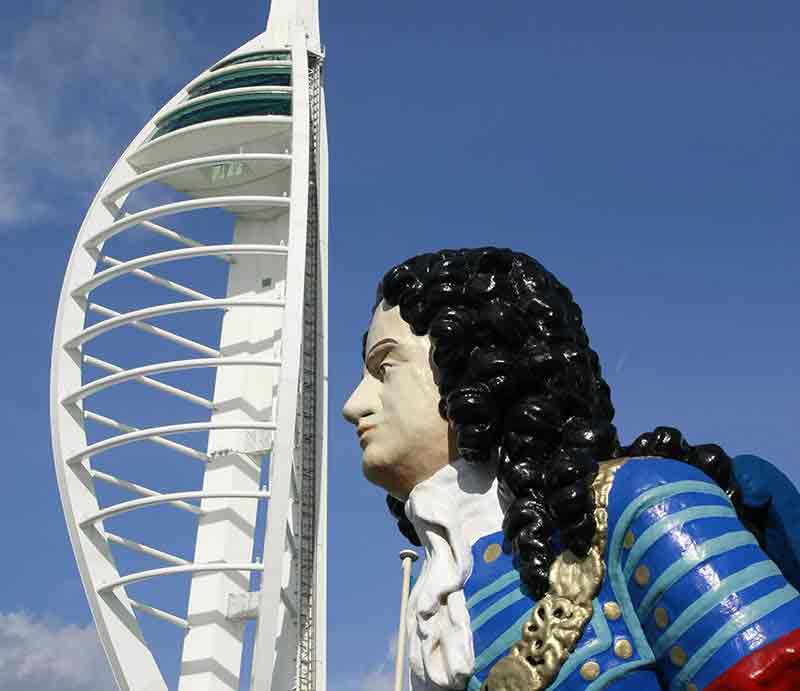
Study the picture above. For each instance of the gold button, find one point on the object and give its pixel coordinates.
(662, 618)
(590, 670)
(623, 648)
(678, 656)
(492, 552)
(630, 538)
(692, 687)
(642, 575)
(612, 611)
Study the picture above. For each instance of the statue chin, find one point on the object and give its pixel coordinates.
(376, 473)
(398, 474)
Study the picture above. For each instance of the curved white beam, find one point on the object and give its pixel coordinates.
(241, 203)
(168, 498)
(174, 286)
(130, 429)
(160, 368)
(171, 570)
(176, 237)
(162, 310)
(174, 255)
(144, 491)
(150, 432)
(231, 135)
(155, 331)
(132, 662)
(147, 381)
(156, 174)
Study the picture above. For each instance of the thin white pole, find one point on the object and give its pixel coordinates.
(408, 557)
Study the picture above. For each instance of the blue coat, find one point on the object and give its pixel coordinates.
(687, 590)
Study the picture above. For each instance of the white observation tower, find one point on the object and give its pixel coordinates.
(189, 380)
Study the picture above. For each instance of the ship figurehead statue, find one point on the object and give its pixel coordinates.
(555, 557)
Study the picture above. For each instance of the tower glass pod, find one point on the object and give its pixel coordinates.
(189, 380)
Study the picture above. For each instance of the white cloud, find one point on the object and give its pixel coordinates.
(40, 655)
(379, 678)
(12, 205)
(77, 84)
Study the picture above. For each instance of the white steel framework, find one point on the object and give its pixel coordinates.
(244, 141)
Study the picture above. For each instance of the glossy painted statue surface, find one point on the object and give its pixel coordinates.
(555, 557)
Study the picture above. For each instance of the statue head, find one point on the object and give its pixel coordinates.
(403, 438)
(487, 359)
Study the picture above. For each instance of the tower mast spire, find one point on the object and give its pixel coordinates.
(246, 138)
(283, 14)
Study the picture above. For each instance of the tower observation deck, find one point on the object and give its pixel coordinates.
(189, 380)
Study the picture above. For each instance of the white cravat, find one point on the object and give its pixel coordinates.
(450, 511)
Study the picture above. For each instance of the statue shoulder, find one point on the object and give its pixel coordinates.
(639, 481)
(694, 582)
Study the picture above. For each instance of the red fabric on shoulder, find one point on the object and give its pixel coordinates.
(775, 667)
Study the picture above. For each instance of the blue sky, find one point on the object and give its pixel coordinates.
(648, 155)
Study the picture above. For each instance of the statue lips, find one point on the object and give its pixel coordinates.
(361, 431)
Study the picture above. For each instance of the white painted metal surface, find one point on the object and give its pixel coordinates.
(407, 557)
(217, 409)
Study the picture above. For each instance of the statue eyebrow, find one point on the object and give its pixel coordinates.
(381, 347)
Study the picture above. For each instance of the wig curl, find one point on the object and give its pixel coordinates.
(522, 389)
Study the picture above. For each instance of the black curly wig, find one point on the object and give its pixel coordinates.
(522, 389)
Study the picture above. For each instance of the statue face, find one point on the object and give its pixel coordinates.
(395, 407)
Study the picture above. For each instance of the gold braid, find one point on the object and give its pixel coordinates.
(561, 615)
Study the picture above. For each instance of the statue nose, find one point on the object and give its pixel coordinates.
(358, 405)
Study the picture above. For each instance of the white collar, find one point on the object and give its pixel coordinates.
(471, 489)
(450, 511)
